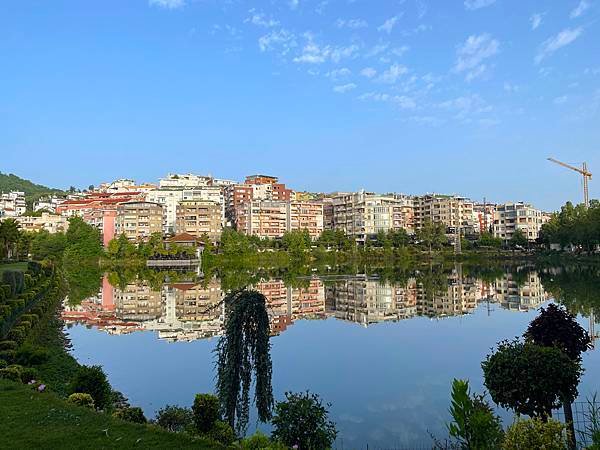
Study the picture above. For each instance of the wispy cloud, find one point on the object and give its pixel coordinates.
(508, 87)
(477, 4)
(582, 7)
(294, 4)
(392, 74)
(466, 106)
(281, 40)
(338, 74)
(344, 88)
(260, 19)
(560, 100)
(471, 54)
(389, 24)
(368, 72)
(353, 24)
(402, 101)
(536, 20)
(562, 39)
(167, 4)
(313, 53)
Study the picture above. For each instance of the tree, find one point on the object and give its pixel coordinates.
(518, 239)
(174, 418)
(9, 236)
(121, 248)
(243, 349)
(530, 379)
(535, 434)
(486, 239)
(205, 412)
(92, 380)
(557, 328)
(432, 235)
(302, 422)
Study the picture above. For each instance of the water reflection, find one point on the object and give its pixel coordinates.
(190, 308)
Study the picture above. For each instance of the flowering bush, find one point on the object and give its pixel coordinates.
(81, 399)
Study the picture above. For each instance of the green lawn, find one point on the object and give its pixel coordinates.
(42, 420)
(22, 266)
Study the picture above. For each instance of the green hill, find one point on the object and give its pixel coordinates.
(11, 182)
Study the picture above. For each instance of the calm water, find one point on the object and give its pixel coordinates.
(384, 353)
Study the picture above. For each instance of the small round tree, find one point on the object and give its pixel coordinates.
(302, 422)
(530, 379)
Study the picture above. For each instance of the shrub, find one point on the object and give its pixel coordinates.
(260, 441)
(81, 399)
(174, 418)
(303, 420)
(30, 355)
(10, 373)
(132, 414)
(222, 433)
(92, 380)
(8, 355)
(475, 425)
(206, 412)
(534, 433)
(3, 364)
(28, 374)
(8, 345)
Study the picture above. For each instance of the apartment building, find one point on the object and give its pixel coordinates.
(138, 301)
(305, 216)
(510, 217)
(523, 294)
(12, 204)
(80, 205)
(104, 220)
(484, 216)
(263, 218)
(48, 204)
(363, 214)
(236, 196)
(138, 220)
(452, 211)
(198, 217)
(47, 222)
(268, 188)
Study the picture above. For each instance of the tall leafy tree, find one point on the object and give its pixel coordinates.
(9, 236)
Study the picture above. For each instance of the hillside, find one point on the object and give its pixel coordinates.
(11, 182)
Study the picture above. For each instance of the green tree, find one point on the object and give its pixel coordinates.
(302, 421)
(9, 236)
(205, 412)
(432, 235)
(121, 248)
(486, 239)
(518, 239)
(92, 380)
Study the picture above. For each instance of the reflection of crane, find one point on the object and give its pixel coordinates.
(586, 177)
(586, 201)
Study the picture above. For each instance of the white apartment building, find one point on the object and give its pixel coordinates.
(522, 216)
(453, 211)
(12, 204)
(49, 222)
(48, 203)
(190, 180)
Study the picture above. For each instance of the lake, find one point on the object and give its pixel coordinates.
(383, 350)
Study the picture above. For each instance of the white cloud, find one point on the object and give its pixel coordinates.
(338, 74)
(392, 74)
(294, 4)
(562, 39)
(277, 39)
(561, 100)
(376, 50)
(313, 53)
(508, 87)
(580, 9)
(472, 53)
(344, 88)
(536, 20)
(389, 24)
(168, 4)
(476, 4)
(368, 72)
(260, 20)
(320, 9)
(401, 101)
(399, 51)
(353, 24)
(466, 106)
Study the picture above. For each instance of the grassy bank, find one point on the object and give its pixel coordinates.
(32, 419)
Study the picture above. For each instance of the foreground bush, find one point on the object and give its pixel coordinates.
(132, 414)
(222, 433)
(260, 441)
(174, 418)
(92, 380)
(81, 399)
(535, 434)
(303, 421)
(206, 412)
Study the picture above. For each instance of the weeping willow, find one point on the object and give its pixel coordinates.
(243, 349)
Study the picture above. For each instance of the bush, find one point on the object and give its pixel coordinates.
(30, 355)
(222, 433)
(303, 420)
(260, 441)
(132, 414)
(3, 364)
(8, 355)
(92, 380)
(29, 374)
(174, 418)
(10, 373)
(206, 412)
(534, 433)
(81, 399)
(8, 345)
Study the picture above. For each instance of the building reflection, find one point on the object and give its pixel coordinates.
(191, 310)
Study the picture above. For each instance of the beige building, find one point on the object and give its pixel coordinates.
(138, 220)
(452, 211)
(48, 222)
(138, 301)
(520, 295)
(305, 216)
(263, 218)
(198, 217)
(512, 216)
(364, 214)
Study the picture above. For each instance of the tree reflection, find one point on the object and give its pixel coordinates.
(243, 349)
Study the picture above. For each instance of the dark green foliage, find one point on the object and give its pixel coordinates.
(8, 345)
(174, 418)
(11, 182)
(518, 239)
(303, 420)
(8, 355)
(29, 374)
(244, 348)
(92, 380)
(206, 412)
(222, 433)
(432, 235)
(131, 414)
(591, 431)
(29, 355)
(530, 379)
(11, 373)
(574, 225)
(475, 425)
(15, 280)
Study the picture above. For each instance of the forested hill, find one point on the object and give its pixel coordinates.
(11, 182)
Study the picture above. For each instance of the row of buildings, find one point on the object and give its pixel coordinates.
(264, 207)
(187, 311)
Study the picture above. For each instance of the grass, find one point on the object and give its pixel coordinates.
(42, 420)
(22, 266)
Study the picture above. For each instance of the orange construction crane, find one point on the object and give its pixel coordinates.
(586, 177)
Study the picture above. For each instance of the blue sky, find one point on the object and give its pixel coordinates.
(453, 96)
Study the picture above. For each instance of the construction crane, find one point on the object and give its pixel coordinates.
(586, 177)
